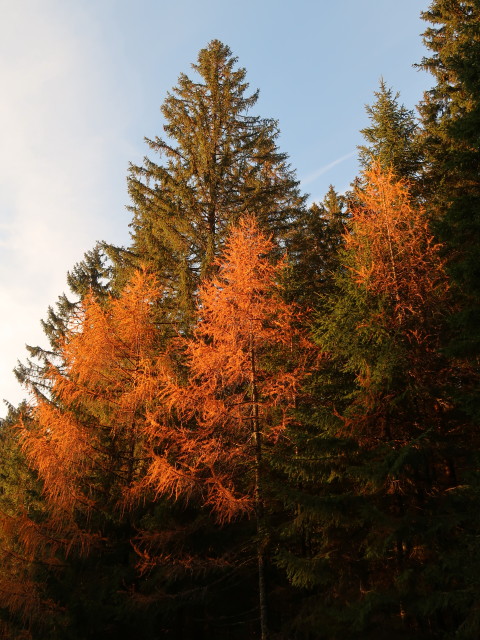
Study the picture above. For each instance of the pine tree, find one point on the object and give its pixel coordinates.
(391, 137)
(450, 114)
(220, 162)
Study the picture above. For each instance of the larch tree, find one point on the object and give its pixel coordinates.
(92, 274)
(245, 363)
(391, 458)
(85, 443)
(96, 395)
(30, 543)
(219, 162)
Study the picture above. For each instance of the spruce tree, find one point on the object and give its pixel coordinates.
(391, 136)
(219, 162)
(450, 113)
(93, 274)
(313, 250)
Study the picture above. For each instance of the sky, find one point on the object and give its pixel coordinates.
(81, 86)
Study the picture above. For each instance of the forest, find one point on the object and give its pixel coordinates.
(260, 420)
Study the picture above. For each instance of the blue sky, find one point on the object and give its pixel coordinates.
(82, 83)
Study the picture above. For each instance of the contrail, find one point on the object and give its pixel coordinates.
(316, 174)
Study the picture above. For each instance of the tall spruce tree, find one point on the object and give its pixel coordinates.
(391, 135)
(450, 114)
(222, 163)
(219, 162)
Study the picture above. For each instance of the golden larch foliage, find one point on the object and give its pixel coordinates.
(394, 252)
(245, 363)
(86, 442)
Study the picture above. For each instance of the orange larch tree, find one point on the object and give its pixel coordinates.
(408, 442)
(395, 295)
(86, 441)
(393, 252)
(245, 363)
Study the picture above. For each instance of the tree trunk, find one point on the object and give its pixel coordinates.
(259, 510)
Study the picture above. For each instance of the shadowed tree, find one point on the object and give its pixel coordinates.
(313, 250)
(450, 115)
(26, 611)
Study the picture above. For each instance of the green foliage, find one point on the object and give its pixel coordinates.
(313, 249)
(391, 137)
(450, 114)
(220, 162)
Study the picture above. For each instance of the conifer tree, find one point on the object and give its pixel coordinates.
(84, 443)
(219, 162)
(24, 603)
(450, 113)
(93, 274)
(383, 487)
(313, 250)
(391, 136)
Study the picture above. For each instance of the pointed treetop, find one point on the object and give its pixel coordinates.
(391, 135)
(218, 163)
